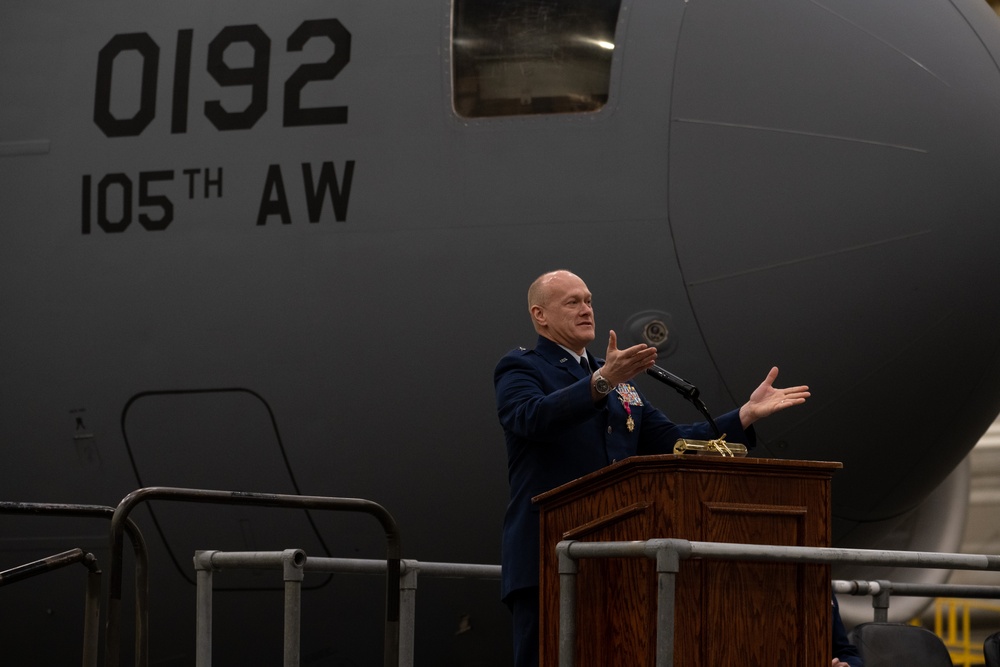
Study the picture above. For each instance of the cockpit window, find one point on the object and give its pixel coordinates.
(518, 57)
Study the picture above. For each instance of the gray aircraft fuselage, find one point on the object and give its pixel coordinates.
(280, 247)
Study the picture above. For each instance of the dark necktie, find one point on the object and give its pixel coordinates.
(584, 365)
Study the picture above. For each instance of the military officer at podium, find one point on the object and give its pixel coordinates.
(566, 413)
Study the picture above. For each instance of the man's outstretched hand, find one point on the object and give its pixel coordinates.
(768, 399)
(623, 365)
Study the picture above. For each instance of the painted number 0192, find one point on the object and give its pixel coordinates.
(253, 76)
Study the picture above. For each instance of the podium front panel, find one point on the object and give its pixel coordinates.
(728, 612)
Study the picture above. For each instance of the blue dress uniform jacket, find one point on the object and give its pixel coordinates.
(556, 433)
(843, 649)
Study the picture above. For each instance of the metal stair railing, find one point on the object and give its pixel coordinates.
(92, 604)
(139, 496)
(93, 607)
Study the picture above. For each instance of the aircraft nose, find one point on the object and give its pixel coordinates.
(831, 190)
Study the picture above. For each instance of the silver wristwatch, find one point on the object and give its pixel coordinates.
(601, 384)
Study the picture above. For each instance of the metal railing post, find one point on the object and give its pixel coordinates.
(203, 603)
(292, 561)
(92, 616)
(880, 601)
(668, 563)
(408, 611)
(568, 570)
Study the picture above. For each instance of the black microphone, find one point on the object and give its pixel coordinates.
(686, 389)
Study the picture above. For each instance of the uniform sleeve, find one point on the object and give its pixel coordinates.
(843, 649)
(531, 406)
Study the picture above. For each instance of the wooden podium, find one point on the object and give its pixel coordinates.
(727, 612)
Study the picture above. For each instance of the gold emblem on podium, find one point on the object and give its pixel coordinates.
(718, 447)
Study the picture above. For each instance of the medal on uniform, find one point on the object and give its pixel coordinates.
(628, 394)
(629, 423)
(629, 397)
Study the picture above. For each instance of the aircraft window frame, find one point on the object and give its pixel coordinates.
(577, 44)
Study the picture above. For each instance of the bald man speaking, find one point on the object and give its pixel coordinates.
(566, 413)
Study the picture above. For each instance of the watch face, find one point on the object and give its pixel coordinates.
(602, 386)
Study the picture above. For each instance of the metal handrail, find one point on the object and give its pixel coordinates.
(410, 570)
(289, 561)
(129, 502)
(669, 552)
(882, 590)
(294, 563)
(92, 603)
(48, 564)
(141, 563)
